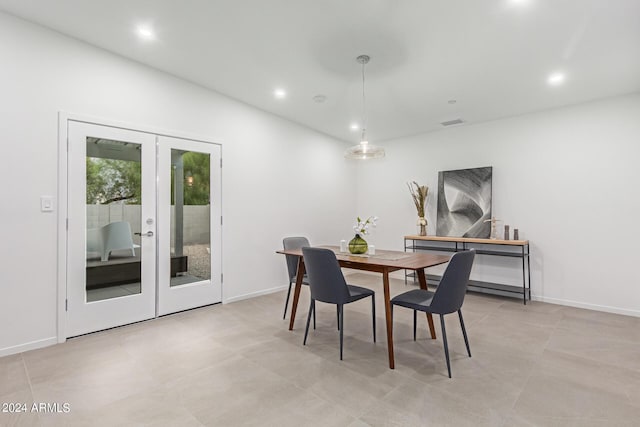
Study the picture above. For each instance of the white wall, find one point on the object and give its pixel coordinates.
(278, 178)
(567, 178)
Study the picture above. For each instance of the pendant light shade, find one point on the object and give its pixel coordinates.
(364, 150)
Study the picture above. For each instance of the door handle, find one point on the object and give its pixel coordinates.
(148, 234)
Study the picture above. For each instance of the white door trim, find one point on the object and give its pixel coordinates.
(62, 197)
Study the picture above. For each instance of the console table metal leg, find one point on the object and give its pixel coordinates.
(529, 269)
(524, 280)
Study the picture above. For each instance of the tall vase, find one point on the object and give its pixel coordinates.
(422, 224)
(358, 245)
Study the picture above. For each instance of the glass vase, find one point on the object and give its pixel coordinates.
(358, 245)
(422, 226)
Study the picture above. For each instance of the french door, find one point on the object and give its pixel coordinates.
(144, 234)
(189, 212)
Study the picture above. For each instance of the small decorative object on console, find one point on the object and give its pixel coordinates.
(506, 232)
(493, 222)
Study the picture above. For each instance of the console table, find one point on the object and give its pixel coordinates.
(492, 247)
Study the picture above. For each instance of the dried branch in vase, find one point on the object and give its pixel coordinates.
(419, 195)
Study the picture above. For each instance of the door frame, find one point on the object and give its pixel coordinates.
(62, 209)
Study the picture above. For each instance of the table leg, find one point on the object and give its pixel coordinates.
(296, 292)
(423, 285)
(387, 312)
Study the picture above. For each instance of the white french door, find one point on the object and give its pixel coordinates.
(111, 195)
(144, 233)
(189, 212)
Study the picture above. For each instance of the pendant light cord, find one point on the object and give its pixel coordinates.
(363, 150)
(364, 111)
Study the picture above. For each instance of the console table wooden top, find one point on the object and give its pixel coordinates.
(468, 240)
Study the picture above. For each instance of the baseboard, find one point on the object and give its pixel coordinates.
(578, 304)
(28, 346)
(255, 294)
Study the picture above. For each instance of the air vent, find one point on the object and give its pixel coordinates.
(452, 122)
(319, 99)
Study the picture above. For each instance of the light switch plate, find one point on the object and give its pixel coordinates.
(46, 204)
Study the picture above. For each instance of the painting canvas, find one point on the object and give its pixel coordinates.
(464, 203)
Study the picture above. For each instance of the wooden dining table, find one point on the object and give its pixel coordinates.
(384, 262)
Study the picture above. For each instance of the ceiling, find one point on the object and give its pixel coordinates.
(492, 57)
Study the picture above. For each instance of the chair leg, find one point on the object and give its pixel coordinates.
(341, 323)
(464, 332)
(312, 309)
(373, 314)
(338, 316)
(415, 316)
(286, 303)
(446, 346)
(314, 319)
(391, 311)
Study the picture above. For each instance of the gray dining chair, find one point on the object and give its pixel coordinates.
(328, 285)
(447, 298)
(290, 243)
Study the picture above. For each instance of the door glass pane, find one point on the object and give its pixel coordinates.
(190, 217)
(113, 255)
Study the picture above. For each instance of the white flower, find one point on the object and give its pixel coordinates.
(362, 226)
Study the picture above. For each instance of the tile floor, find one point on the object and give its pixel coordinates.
(237, 364)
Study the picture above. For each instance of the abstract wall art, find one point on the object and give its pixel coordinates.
(464, 203)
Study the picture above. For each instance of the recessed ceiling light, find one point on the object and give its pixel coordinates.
(520, 2)
(556, 79)
(354, 126)
(145, 32)
(280, 93)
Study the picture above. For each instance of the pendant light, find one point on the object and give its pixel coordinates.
(364, 150)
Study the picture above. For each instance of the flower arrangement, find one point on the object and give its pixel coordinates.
(358, 245)
(419, 195)
(362, 227)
